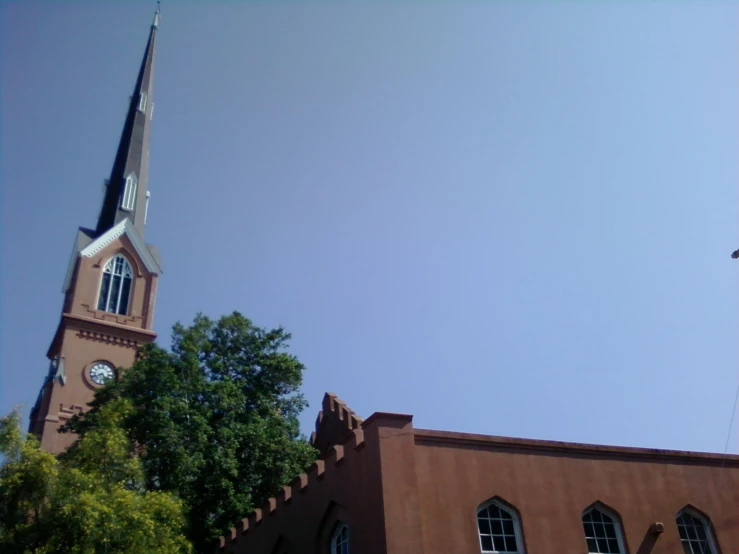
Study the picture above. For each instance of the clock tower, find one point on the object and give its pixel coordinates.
(111, 282)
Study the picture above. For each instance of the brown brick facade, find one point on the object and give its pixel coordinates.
(86, 335)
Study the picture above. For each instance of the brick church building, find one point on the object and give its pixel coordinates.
(380, 485)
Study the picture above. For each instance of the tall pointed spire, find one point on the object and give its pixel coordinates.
(126, 192)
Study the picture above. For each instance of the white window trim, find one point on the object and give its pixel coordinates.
(706, 524)
(516, 523)
(616, 524)
(128, 198)
(142, 102)
(336, 533)
(130, 290)
(146, 209)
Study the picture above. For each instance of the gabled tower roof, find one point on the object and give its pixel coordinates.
(126, 190)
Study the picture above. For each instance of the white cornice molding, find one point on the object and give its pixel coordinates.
(104, 240)
(125, 227)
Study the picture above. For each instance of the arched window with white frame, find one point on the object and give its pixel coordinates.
(695, 532)
(115, 286)
(499, 528)
(340, 540)
(128, 198)
(603, 532)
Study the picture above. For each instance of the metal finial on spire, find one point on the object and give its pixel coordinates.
(156, 16)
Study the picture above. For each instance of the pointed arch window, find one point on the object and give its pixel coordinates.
(115, 286)
(695, 533)
(340, 540)
(128, 198)
(499, 528)
(602, 531)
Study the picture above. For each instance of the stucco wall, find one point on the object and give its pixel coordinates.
(345, 487)
(550, 487)
(408, 491)
(84, 295)
(86, 335)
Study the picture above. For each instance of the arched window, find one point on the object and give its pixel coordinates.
(499, 528)
(340, 540)
(128, 198)
(695, 533)
(602, 531)
(115, 287)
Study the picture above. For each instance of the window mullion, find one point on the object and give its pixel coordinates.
(109, 292)
(117, 275)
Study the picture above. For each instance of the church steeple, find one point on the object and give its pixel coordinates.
(111, 281)
(126, 194)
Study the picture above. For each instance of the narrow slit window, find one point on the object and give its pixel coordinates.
(146, 209)
(128, 198)
(115, 286)
(142, 102)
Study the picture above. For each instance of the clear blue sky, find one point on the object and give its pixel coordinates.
(506, 218)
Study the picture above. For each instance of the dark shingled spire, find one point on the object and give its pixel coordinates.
(126, 191)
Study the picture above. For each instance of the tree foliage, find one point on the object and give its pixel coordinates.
(90, 501)
(216, 419)
(27, 478)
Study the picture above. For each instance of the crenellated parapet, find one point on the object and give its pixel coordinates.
(334, 423)
(320, 474)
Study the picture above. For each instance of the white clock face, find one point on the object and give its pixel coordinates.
(101, 373)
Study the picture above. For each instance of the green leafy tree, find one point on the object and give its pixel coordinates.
(27, 479)
(216, 419)
(89, 501)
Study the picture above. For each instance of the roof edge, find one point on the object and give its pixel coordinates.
(127, 228)
(74, 255)
(573, 448)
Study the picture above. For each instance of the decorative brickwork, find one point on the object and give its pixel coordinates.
(107, 338)
(113, 318)
(319, 474)
(334, 423)
(66, 412)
